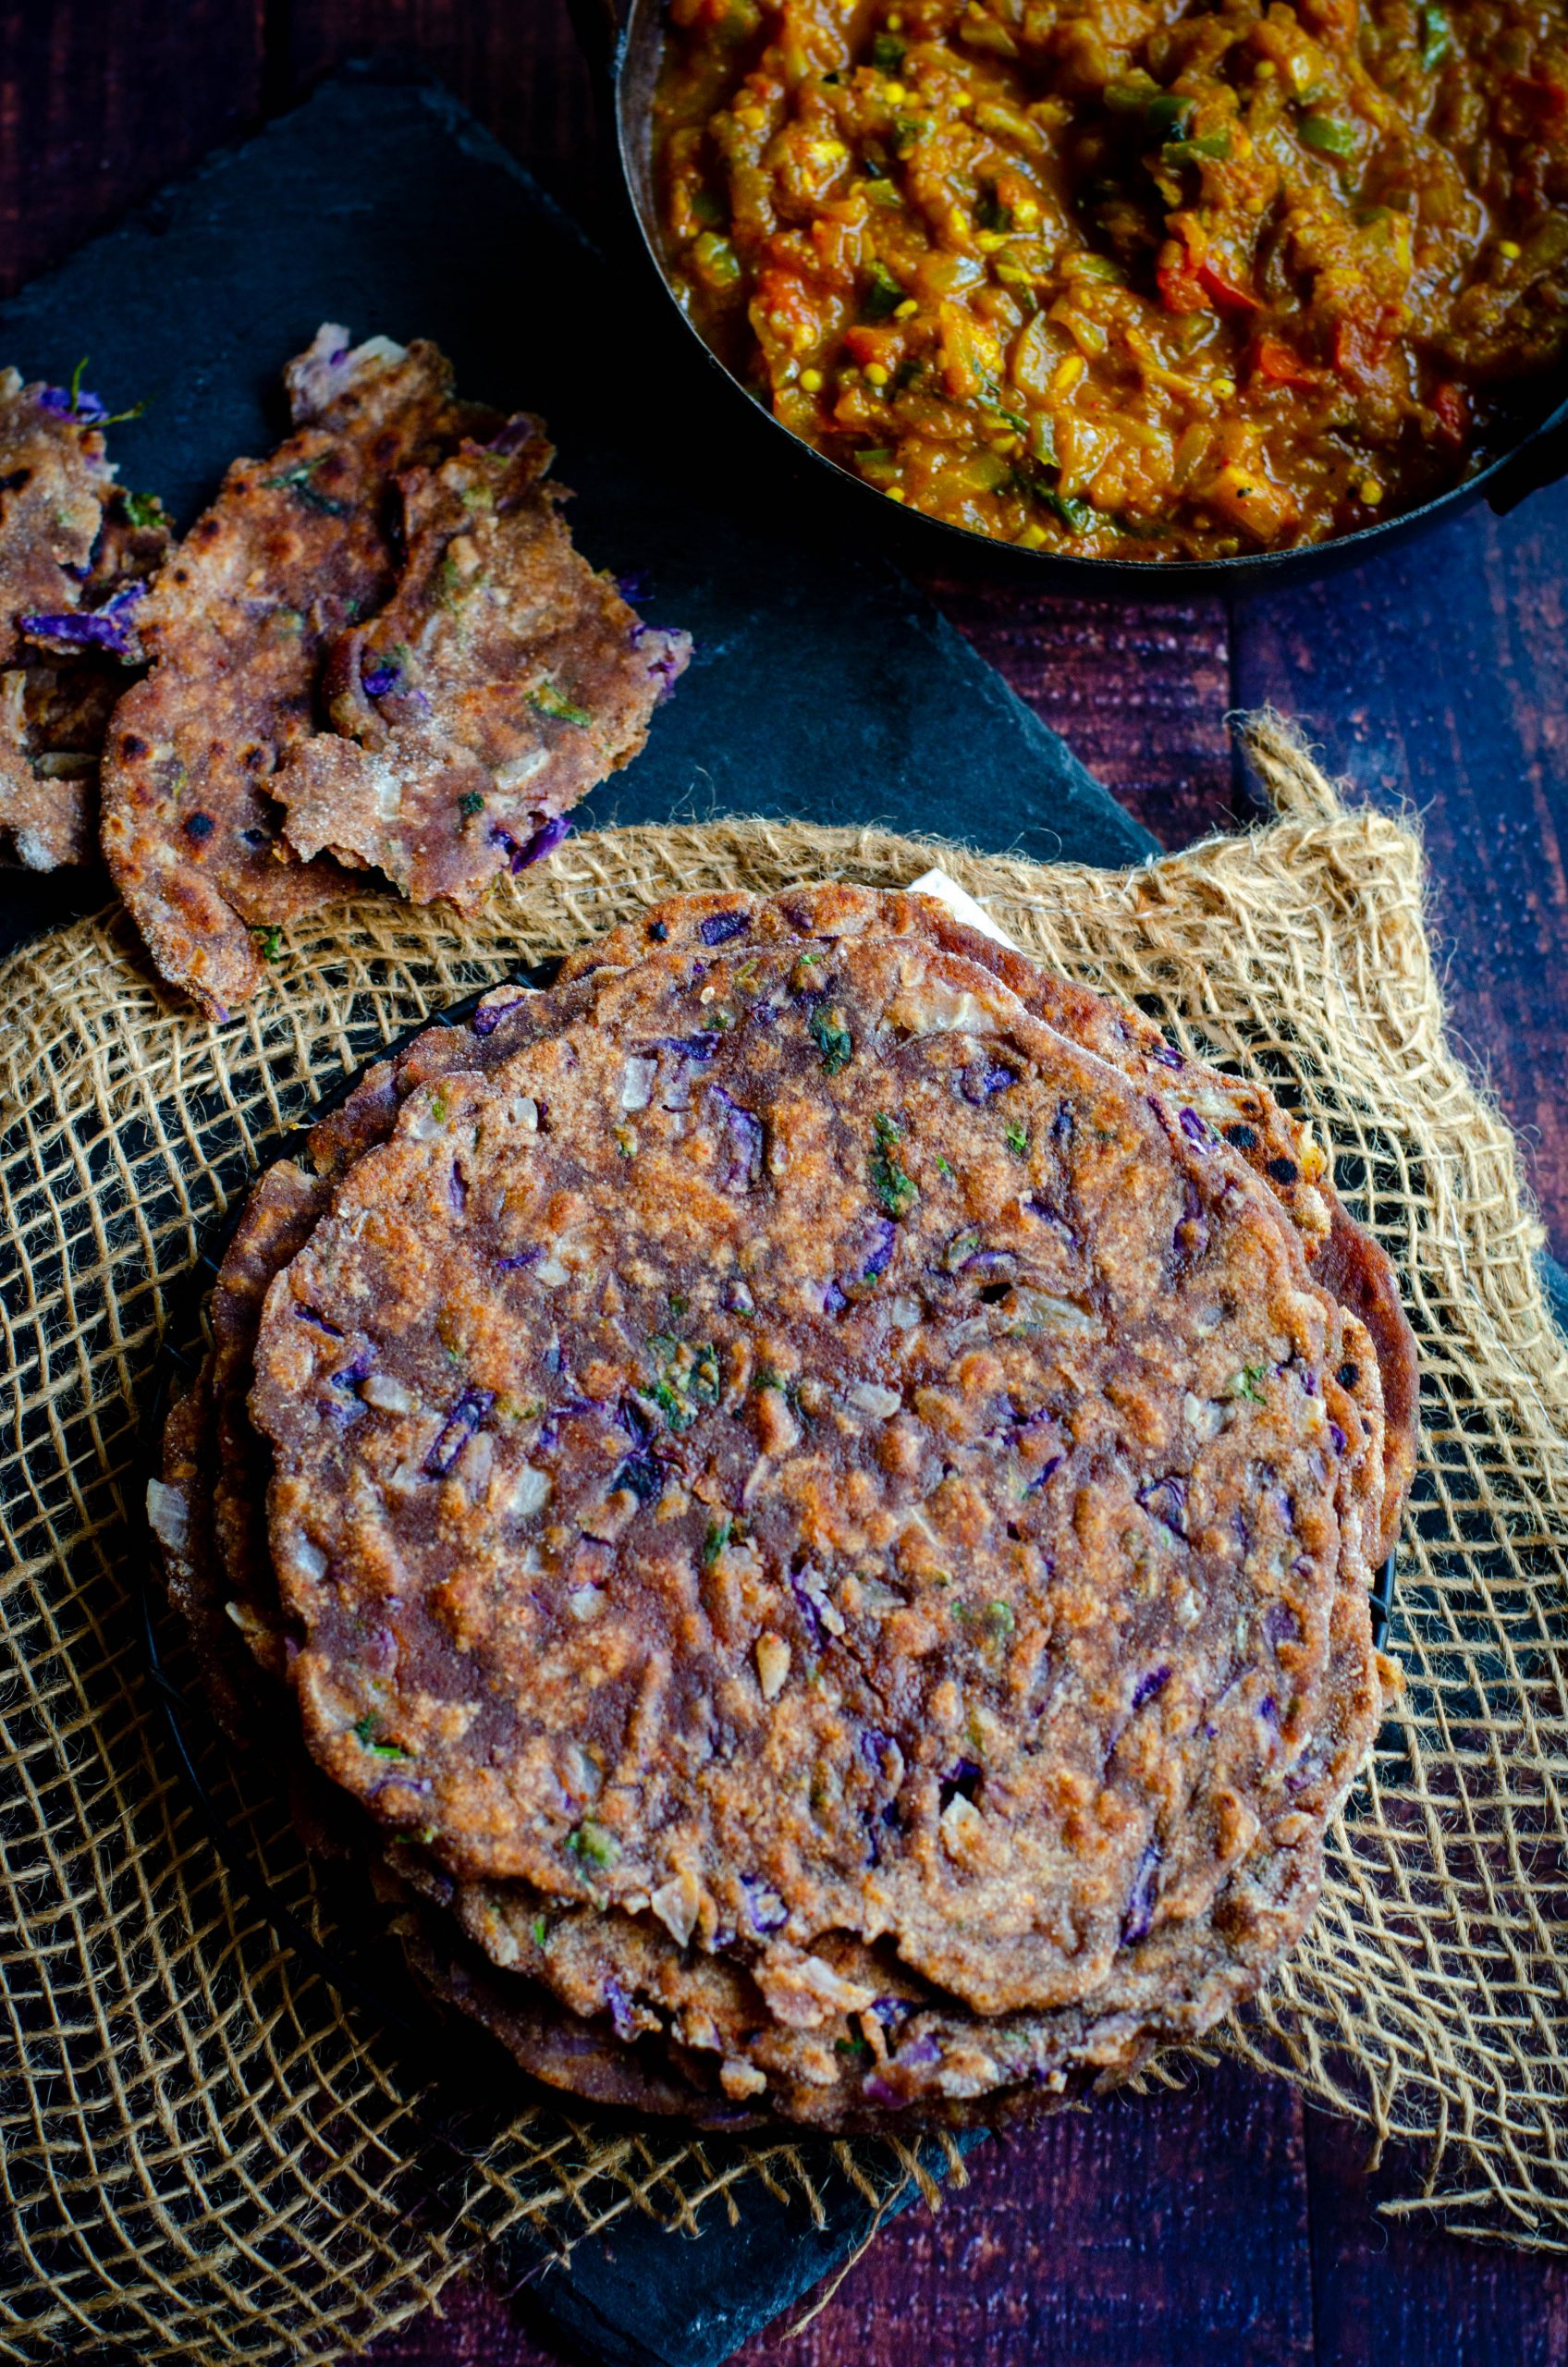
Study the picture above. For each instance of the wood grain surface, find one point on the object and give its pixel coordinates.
(1226, 2223)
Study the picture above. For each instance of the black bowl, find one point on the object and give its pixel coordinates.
(624, 57)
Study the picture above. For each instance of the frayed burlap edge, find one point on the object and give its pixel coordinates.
(206, 2152)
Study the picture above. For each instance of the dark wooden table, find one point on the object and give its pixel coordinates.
(1228, 2222)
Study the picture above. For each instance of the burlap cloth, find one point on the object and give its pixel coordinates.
(208, 2151)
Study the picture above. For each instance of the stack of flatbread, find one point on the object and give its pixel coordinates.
(808, 1496)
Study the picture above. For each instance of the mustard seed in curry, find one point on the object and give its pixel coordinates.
(1122, 279)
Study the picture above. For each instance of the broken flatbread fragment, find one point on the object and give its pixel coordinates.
(53, 719)
(74, 556)
(54, 482)
(293, 550)
(501, 682)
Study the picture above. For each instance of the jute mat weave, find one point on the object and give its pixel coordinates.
(210, 2152)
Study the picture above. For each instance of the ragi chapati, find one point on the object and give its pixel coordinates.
(500, 682)
(75, 553)
(292, 552)
(513, 1475)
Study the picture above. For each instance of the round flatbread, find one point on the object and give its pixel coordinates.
(634, 1988)
(290, 1197)
(568, 1579)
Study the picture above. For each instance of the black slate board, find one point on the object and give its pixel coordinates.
(825, 685)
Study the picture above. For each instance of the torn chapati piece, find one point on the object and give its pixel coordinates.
(823, 1521)
(502, 680)
(75, 555)
(293, 550)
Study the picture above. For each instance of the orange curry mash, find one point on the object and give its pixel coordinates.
(1123, 278)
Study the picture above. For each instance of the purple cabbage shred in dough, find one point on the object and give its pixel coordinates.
(456, 1432)
(1148, 1686)
(75, 402)
(1167, 1500)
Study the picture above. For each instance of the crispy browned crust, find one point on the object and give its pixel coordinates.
(550, 2043)
(179, 1507)
(922, 2061)
(294, 548)
(1350, 1263)
(276, 1222)
(1361, 1278)
(507, 680)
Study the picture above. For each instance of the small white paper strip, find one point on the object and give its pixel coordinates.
(961, 905)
